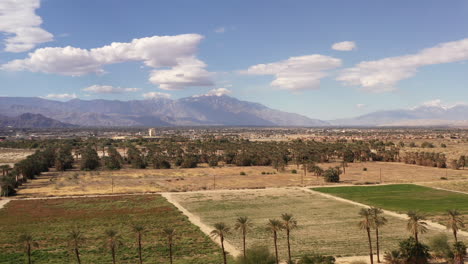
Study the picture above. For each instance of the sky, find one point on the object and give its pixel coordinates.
(324, 59)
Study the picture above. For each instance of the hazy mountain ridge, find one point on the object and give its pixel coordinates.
(28, 120)
(419, 116)
(201, 110)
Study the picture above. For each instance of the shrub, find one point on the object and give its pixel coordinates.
(242, 173)
(440, 246)
(364, 169)
(294, 171)
(443, 178)
(413, 252)
(316, 259)
(257, 255)
(332, 175)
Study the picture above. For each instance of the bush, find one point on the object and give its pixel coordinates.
(294, 171)
(440, 246)
(189, 162)
(413, 252)
(257, 255)
(364, 169)
(332, 175)
(316, 259)
(242, 173)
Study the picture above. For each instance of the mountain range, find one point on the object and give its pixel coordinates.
(206, 110)
(191, 111)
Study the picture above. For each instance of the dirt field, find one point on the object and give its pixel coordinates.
(325, 225)
(205, 178)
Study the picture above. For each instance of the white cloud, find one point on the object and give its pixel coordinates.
(360, 106)
(220, 30)
(439, 104)
(344, 46)
(297, 73)
(107, 89)
(174, 52)
(382, 75)
(155, 95)
(215, 92)
(21, 25)
(61, 96)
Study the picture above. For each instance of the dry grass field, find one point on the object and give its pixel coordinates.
(205, 178)
(455, 147)
(325, 225)
(11, 156)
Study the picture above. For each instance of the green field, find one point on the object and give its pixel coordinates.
(403, 197)
(49, 221)
(325, 225)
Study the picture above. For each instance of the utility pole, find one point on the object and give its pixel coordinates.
(214, 181)
(112, 179)
(302, 179)
(380, 175)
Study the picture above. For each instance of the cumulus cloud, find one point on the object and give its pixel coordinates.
(156, 95)
(174, 52)
(383, 75)
(107, 89)
(344, 46)
(297, 73)
(21, 25)
(61, 96)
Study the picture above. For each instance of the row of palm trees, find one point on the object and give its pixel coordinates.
(243, 224)
(372, 218)
(112, 239)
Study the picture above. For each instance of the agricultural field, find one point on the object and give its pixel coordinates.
(404, 197)
(49, 222)
(205, 178)
(325, 225)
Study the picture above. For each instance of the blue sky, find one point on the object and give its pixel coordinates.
(278, 53)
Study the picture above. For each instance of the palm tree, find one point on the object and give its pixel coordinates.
(242, 225)
(113, 240)
(221, 229)
(366, 224)
(289, 224)
(393, 257)
(169, 233)
(378, 220)
(75, 239)
(28, 243)
(454, 222)
(139, 230)
(416, 224)
(275, 226)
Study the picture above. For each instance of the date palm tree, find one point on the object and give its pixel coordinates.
(378, 220)
(170, 234)
(221, 230)
(416, 224)
(28, 243)
(113, 241)
(366, 223)
(289, 223)
(275, 226)
(75, 240)
(243, 224)
(454, 222)
(139, 230)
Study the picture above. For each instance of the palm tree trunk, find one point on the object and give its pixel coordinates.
(289, 246)
(275, 238)
(139, 249)
(224, 252)
(416, 236)
(113, 255)
(29, 254)
(455, 235)
(371, 255)
(77, 253)
(377, 244)
(170, 252)
(243, 243)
